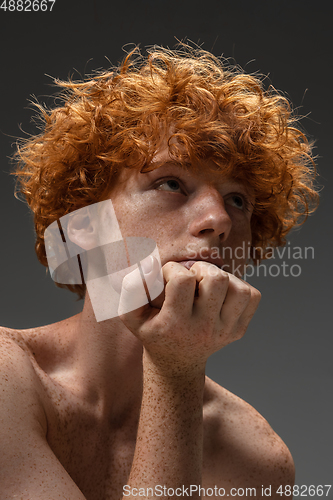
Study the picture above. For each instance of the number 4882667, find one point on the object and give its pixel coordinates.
(304, 490)
(27, 5)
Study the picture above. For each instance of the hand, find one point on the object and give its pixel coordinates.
(181, 332)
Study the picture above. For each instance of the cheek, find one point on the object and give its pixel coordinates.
(238, 245)
(241, 233)
(136, 218)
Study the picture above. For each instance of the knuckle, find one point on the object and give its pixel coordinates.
(240, 332)
(245, 292)
(168, 265)
(255, 295)
(128, 283)
(217, 275)
(184, 278)
(131, 281)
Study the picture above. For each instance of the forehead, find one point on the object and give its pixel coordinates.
(204, 170)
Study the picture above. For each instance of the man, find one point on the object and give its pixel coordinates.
(200, 159)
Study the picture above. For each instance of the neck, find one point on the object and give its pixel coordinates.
(105, 362)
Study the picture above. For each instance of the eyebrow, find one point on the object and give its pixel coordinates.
(169, 163)
(232, 183)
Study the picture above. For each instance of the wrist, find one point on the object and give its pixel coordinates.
(172, 374)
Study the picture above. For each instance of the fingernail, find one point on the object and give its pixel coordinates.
(147, 264)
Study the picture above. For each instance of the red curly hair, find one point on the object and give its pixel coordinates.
(115, 119)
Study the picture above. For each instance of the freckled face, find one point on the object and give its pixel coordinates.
(189, 215)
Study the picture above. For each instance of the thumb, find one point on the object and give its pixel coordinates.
(133, 294)
(139, 288)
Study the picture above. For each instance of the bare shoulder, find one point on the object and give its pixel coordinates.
(17, 372)
(239, 443)
(13, 349)
(13, 346)
(28, 467)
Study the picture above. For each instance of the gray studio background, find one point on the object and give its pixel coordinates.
(283, 366)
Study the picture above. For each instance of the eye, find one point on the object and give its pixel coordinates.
(239, 201)
(171, 185)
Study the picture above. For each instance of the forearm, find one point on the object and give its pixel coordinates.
(170, 433)
(180, 336)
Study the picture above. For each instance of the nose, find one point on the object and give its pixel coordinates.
(209, 215)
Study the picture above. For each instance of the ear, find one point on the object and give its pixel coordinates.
(82, 230)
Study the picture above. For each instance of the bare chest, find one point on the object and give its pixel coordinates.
(97, 456)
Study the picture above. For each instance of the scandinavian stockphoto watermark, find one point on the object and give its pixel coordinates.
(279, 261)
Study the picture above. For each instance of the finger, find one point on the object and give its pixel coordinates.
(240, 304)
(213, 285)
(179, 288)
(248, 313)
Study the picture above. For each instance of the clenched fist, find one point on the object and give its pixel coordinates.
(202, 310)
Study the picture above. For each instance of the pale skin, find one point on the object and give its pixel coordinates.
(89, 407)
